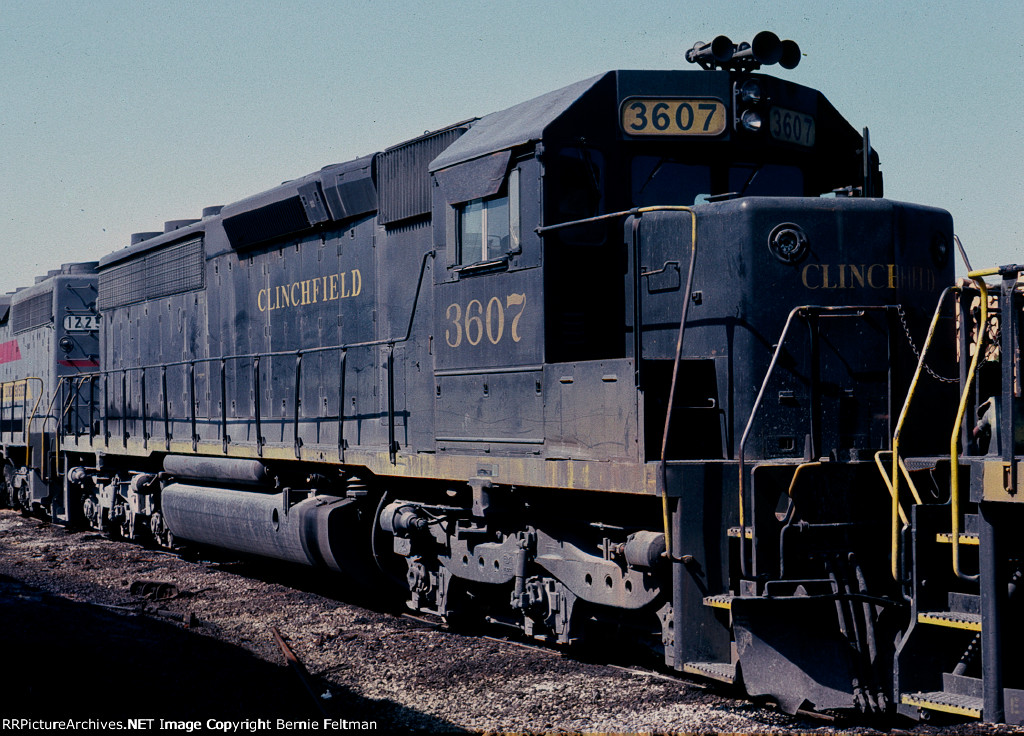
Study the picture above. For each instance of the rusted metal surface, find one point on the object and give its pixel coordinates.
(299, 669)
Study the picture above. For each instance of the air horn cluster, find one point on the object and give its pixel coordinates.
(765, 49)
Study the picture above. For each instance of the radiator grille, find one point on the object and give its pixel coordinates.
(172, 270)
(33, 312)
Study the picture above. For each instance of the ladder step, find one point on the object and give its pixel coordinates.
(719, 601)
(720, 671)
(734, 531)
(947, 538)
(961, 705)
(951, 619)
(924, 463)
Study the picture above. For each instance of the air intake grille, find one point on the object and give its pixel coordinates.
(403, 176)
(33, 312)
(172, 270)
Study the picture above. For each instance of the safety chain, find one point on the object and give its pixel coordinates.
(917, 353)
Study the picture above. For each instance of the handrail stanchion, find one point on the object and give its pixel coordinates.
(92, 409)
(392, 451)
(145, 411)
(167, 408)
(106, 409)
(298, 402)
(341, 405)
(256, 405)
(124, 407)
(24, 419)
(192, 402)
(224, 405)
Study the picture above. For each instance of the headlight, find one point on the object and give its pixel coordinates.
(751, 120)
(750, 92)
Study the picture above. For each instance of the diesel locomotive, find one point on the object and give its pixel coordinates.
(49, 332)
(645, 360)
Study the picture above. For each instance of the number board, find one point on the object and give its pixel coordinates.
(791, 126)
(82, 322)
(672, 116)
(489, 321)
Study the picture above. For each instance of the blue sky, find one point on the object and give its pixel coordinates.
(116, 116)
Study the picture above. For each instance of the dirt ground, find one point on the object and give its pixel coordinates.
(80, 641)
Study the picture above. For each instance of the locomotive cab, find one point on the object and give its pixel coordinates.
(562, 236)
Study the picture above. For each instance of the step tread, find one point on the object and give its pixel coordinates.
(965, 538)
(719, 601)
(721, 671)
(940, 700)
(924, 462)
(951, 619)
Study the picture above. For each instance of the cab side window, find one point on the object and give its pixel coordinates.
(488, 229)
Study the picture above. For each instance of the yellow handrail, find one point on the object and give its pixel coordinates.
(897, 513)
(954, 479)
(910, 483)
(25, 429)
(888, 483)
(796, 474)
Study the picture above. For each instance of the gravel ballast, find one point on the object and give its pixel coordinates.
(81, 644)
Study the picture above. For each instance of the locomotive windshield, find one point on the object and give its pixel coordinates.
(657, 180)
(610, 169)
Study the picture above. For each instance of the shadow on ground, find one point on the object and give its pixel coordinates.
(68, 660)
